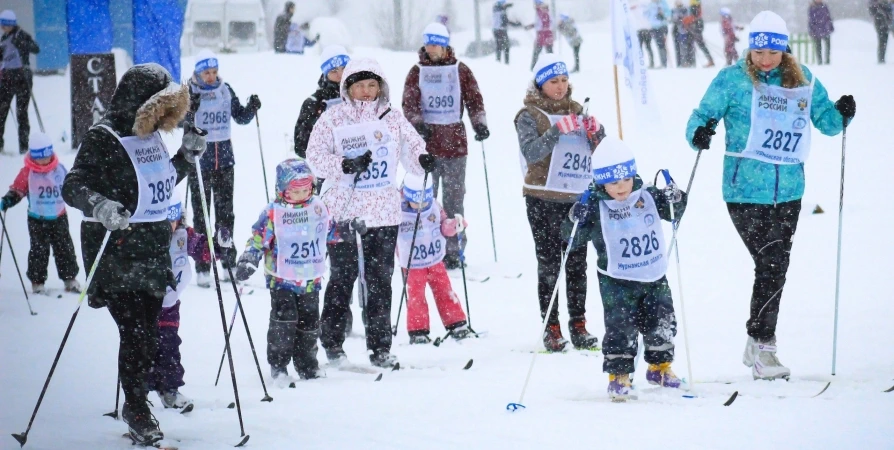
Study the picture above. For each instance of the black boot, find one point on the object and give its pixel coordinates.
(305, 356)
(419, 337)
(142, 426)
(580, 337)
(383, 359)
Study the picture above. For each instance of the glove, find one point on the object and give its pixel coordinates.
(111, 214)
(578, 212)
(702, 137)
(224, 238)
(427, 162)
(594, 129)
(568, 124)
(244, 270)
(359, 225)
(254, 103)
(481, 132)
(193, 144)
(358, 164)
(846, 106)
(423, 130)
(460, 223)
(673, 193)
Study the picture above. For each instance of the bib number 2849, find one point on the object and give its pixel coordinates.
(424, 251)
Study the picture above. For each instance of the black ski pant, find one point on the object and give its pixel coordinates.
(136, 314)
(818, 47)
(645, 39)
(51, 234)
(449, 178)
(501, 40)
(699, 39)
(659, 35)
(546, 220)
(880, 29)
(767, 231)
(537, 49)
(576, 50)
(218, 182)
(294, 329)
(378, 256)
(16, 83)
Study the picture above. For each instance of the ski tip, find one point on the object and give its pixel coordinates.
(379, 378)
(485, 279)
(243, 441)
(469, 364)
(890, 389)
(437, 342)
(59, 296)
(732, 398)
(113, 414)
(187, 409)
(823, 390)
(231, 405)
(396, 367)
(21, 438)
(513, 407)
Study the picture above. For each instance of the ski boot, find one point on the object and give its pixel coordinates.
(203, 279)
(619, 387)
(662, 375)
(72, 285)
(419, 338)
(580, 337)
(383, 359)
(310, 372)
(336, 356)
(761, 357)
(38, 288)
(142, 426)
(553, 340)
(461, 332)
(174, 399)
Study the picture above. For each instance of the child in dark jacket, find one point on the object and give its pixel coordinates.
(41, 181)
(291, 236)
(622, 218)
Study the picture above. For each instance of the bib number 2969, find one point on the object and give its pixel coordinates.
(163, 190)
(636, 247)
(778, 140)
(440, 101)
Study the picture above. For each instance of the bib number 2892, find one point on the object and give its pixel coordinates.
(163, 190)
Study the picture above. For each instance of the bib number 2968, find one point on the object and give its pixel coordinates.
(636, 247)
(778, 140)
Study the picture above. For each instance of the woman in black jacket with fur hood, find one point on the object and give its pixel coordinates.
(122, 180)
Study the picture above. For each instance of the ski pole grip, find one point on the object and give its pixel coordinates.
(667, 176)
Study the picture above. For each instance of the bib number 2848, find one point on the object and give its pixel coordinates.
(635, 247)
(777, 140)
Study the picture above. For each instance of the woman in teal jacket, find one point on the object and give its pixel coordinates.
(767, 102)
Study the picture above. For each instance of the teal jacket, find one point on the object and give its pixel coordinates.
(747, 180)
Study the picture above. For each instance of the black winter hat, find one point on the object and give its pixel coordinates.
(360, 76)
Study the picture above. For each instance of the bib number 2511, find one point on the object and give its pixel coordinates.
(636, 247)
(778, 140)
(163, 190)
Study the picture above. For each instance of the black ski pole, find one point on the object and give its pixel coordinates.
(223, 319)
(14, 261)
(263, 166)
(409, 260)
(36, 110)
(493, 236)
(224, 353)
(267, 397)
(114, 414)
(462, 266)
(23, 437)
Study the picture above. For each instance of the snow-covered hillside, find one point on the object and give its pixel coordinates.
(442, 406)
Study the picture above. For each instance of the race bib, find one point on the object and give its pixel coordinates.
(355, 140)
(440, 94)
(45, 193)
(179, 265)
(634, 240)
(430, 245)
(570, 163)
(780, 125)
(213, 115)
(301, 240)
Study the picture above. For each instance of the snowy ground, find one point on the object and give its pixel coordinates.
(445, 407)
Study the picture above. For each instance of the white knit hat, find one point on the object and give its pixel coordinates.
(548, 66)
(768, 31)
(40, 145)
(724, 11)
(8, 18)
(612, 161)
(333, 57)
(413, 190)
(206, 59)
(436, 34)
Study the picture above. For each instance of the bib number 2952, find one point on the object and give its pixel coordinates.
(636, 247)
(163, 190)
(778, 140)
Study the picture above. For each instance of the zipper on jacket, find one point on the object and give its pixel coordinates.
(776, 193)
(736, 170)
(216, 159)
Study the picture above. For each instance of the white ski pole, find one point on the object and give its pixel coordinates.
(668, 180)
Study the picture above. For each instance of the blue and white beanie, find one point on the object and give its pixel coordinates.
(612, 161)
(40, 146)
(333, 57)
(206, 59)
(436, 34)
(548, 66)
(7, 18)
(768, 31)
(414, 191)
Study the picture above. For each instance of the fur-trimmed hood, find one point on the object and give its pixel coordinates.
(146, 100)
(365, 65)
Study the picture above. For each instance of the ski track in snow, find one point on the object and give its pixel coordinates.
(566, 401)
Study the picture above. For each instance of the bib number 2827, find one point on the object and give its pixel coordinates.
(163, 190)
(778, 140)
(636, 247)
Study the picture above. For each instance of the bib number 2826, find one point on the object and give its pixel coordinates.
(636, 247)
(778, 140)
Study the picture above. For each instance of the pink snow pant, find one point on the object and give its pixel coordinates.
(448, 304)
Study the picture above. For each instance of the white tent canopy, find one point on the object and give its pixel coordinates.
(224, 26)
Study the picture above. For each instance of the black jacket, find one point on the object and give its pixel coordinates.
(281, 31)
(24, 43)
(135, 259)
(311, 110)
